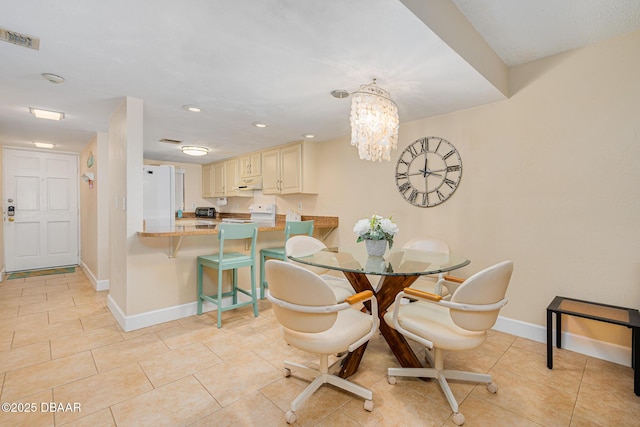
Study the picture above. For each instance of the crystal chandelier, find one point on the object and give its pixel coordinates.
(374, 122)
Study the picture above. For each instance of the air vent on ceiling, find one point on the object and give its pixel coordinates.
(170, 141)
(23, 40)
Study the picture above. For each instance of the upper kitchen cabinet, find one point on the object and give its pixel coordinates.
(290, 169)
(251, 165)
(207, 180)
(218, 177)
(224, 180)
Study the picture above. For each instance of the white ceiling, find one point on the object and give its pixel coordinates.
(274, 61)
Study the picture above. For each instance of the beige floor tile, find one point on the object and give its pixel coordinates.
(44, 289)
(76, 343)
(73, 293)
(182, 335)
(39, 307)
(21, 323)
(176, 404)
(100, 391)
(36, 378)
(98, 319)
(9, 312)
(566, 374)
(6, 338)
(321, 404)
(75, 312)
(113, 355)
(22, 300)
(34, 416)
(398, 405)
(178, 363)
(478, 413)
(230, 381)
(25, 356)
(9, 292)
(253, 410)
(534, 400)
(149, 329)
(50, 331)
(100, 298)
(102, 418)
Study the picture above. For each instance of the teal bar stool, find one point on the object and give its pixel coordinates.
(230, 261)
(291, 228)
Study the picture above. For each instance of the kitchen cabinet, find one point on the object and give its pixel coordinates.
(251, 165)
(218, 174)
(207, 180)
(225, 179)
(290, 169)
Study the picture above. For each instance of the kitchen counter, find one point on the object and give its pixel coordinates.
(204, 226)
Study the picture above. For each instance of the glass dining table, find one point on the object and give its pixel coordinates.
(394, 271)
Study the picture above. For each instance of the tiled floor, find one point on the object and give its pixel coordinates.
(59, 344)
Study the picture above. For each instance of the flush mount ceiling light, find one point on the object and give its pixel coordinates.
(44, 145)
(45, 114)
(339, 93)
(192, 150)
(192, 108)
(53, 78)
(308, 135)
(259, 124)
(374, 122)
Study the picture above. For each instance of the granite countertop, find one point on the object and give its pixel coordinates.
(189, 226)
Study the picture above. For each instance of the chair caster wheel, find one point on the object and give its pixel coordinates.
(368, 405)
(392, 380)
(492, 388)
(291, 417)
(286, 372)
(458, 419)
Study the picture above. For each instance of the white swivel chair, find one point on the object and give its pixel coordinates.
(313, 321)
(433, 284)
(456, 325)
(302, 246)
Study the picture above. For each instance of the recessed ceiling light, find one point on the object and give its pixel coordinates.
(308, 135)
(53, 78)
(46, 114)
(192, 108)
(259, 124)
(44, 145)
(339, 93)
(192, 150)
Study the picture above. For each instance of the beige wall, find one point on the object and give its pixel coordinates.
(4, 207)
(94, 215)
(550, 180)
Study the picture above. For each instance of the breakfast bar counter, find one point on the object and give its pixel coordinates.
(199, 227)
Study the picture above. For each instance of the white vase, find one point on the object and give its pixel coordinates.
(375, 247)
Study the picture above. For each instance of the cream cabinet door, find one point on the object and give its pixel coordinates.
(271, 172)
(207, 180)
(250, 165)
(218, 173)
(231, 178)
(291, 169)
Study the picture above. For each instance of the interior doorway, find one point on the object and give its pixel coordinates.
(40, 209)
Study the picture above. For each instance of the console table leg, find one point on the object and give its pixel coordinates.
(559, 330)
(549, 339)
(635, 359)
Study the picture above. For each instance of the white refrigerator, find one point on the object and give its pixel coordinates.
(159, 202)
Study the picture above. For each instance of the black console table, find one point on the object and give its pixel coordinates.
(623, 316)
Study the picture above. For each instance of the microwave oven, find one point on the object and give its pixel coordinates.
(205, 212)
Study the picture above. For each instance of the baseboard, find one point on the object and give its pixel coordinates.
(2, 273)
(150, 318)
(98, 285)
(580, 344)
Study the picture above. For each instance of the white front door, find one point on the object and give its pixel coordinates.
(42, 188)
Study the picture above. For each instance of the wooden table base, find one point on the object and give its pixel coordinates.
(389, 288)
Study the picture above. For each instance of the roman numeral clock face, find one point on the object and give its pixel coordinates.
(428, 172)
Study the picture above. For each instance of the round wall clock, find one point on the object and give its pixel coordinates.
(428, 171)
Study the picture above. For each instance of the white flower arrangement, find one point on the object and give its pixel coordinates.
(376, 228)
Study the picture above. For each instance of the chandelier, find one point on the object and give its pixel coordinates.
(374, 122)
